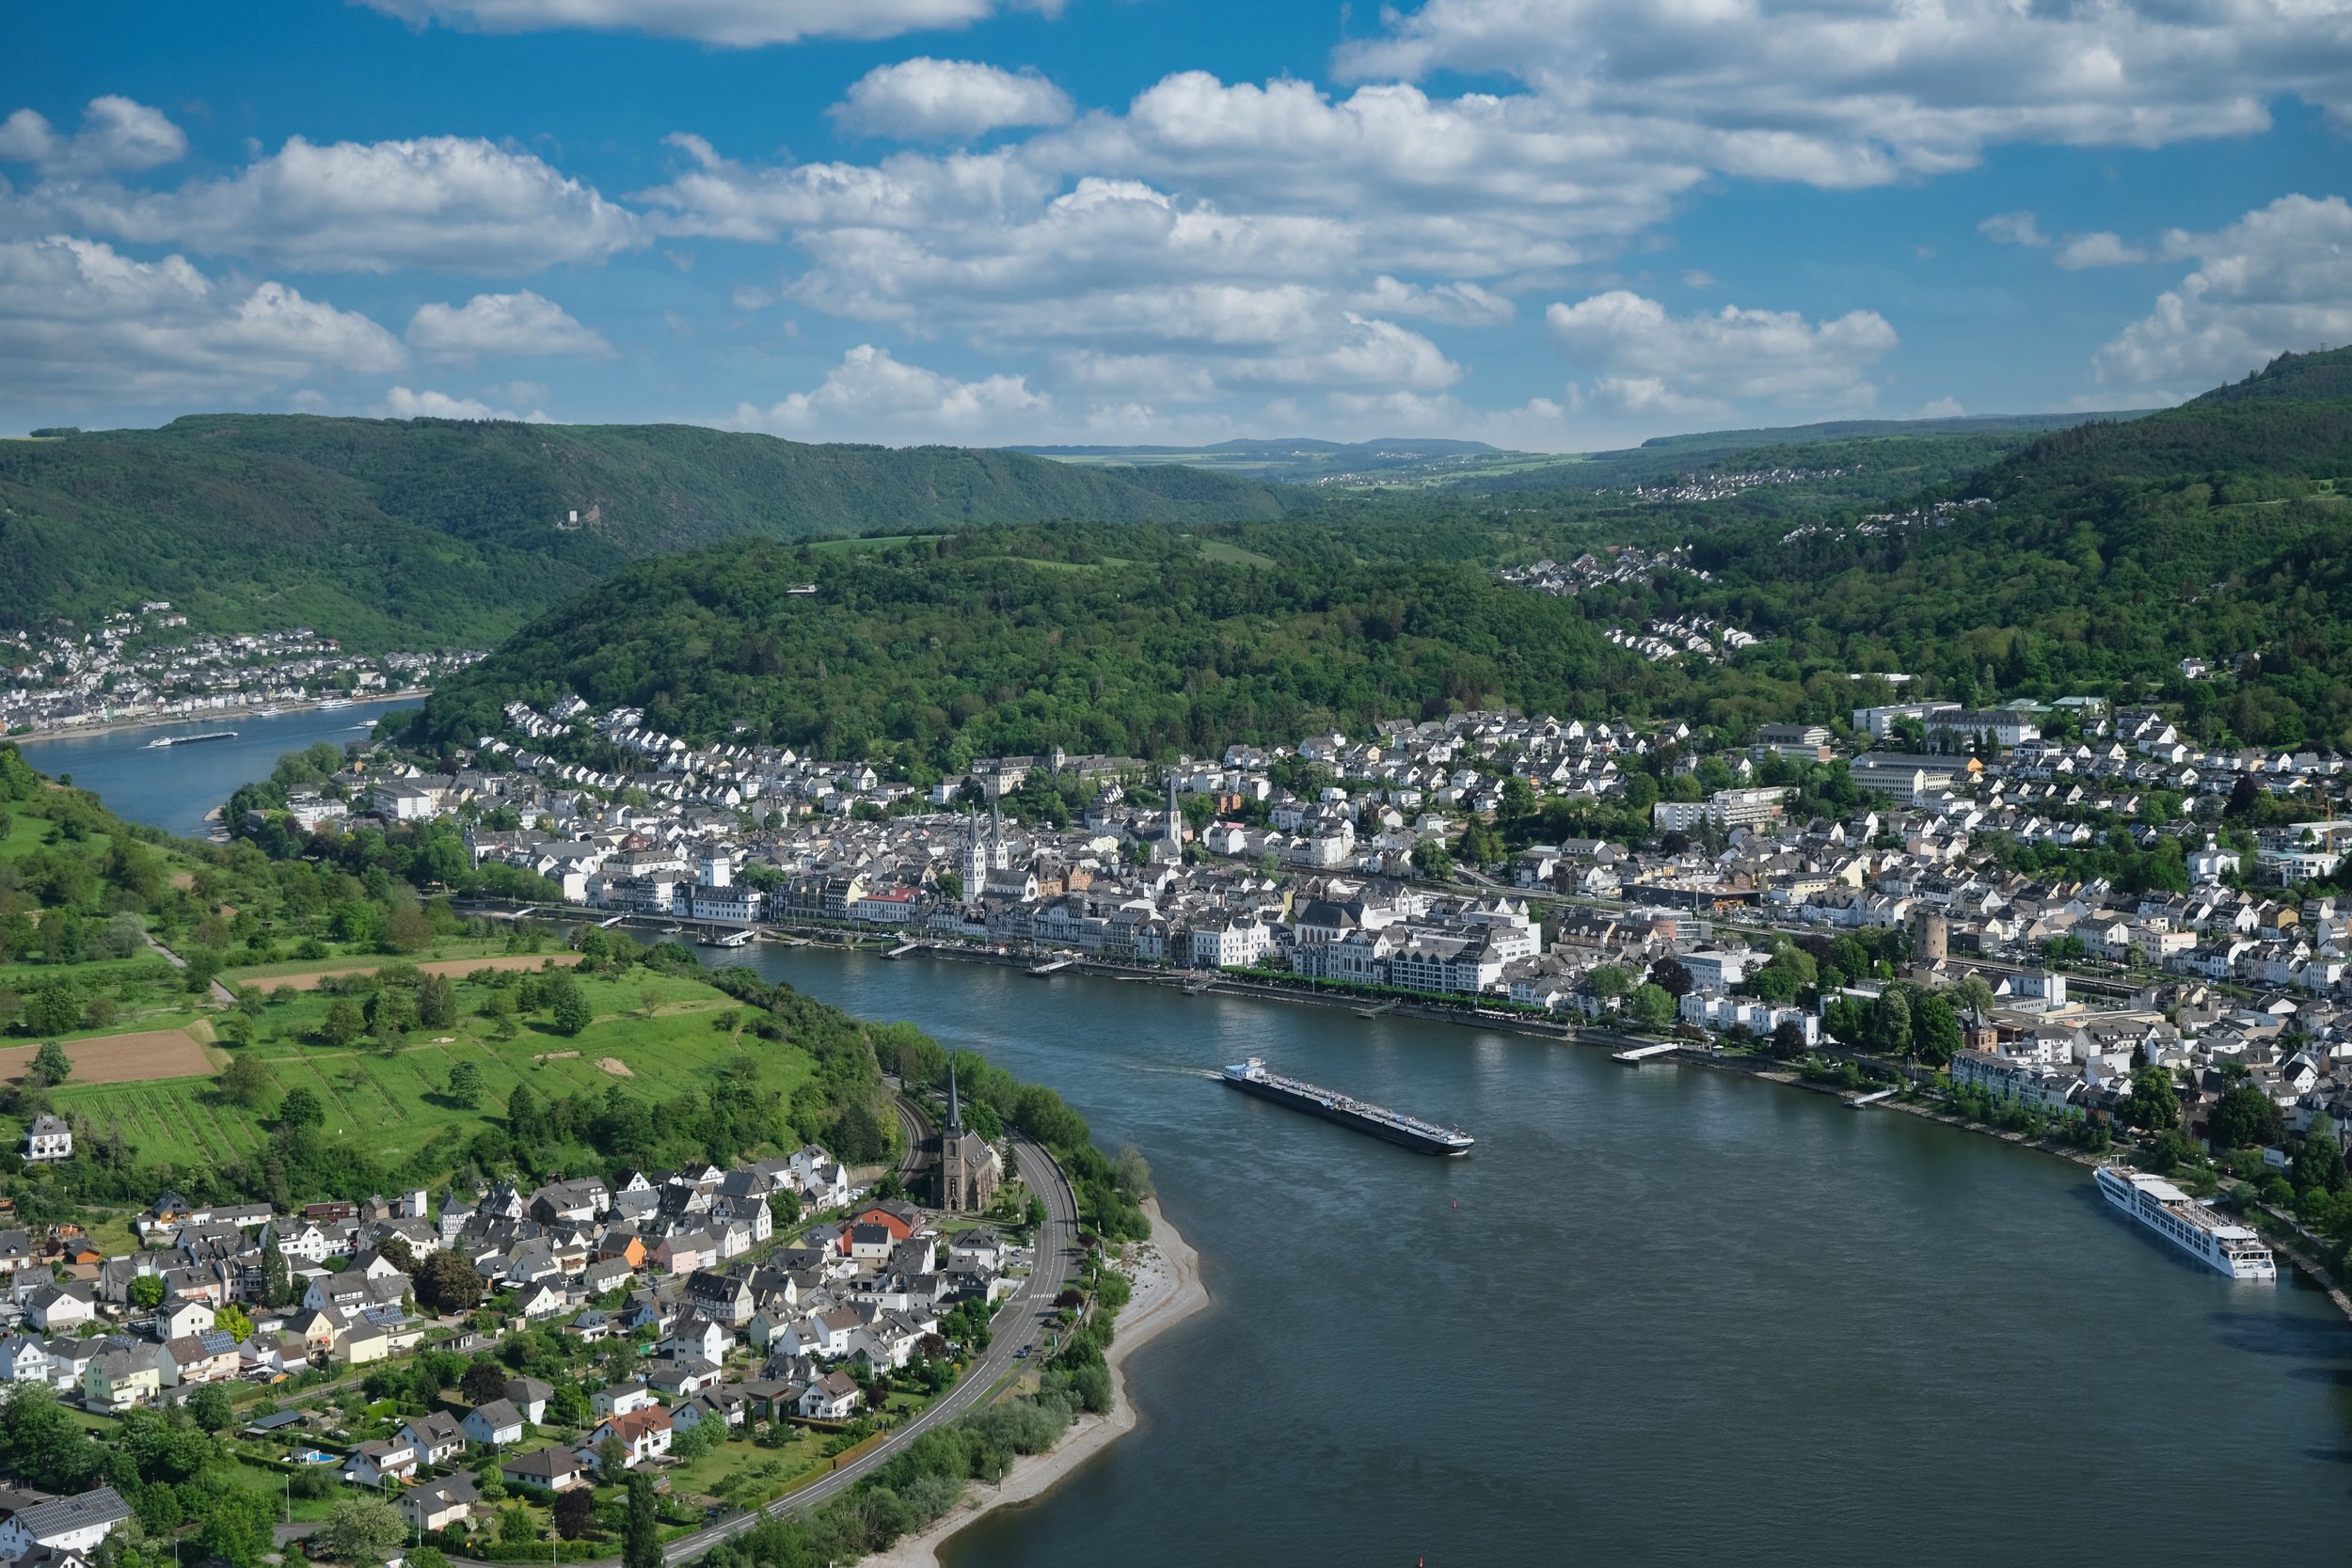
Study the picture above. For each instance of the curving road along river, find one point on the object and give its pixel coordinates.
(1019, 1324)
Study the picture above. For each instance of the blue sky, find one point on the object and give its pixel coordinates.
(1550, 224)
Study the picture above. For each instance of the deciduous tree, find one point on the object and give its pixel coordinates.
(244, 1081)
(446, 1283)
(51, 1066)
(568, 1007)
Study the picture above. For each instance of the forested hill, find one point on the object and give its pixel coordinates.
(391, 532)
(2288, 423)
(2220, 529)
(1143, 642)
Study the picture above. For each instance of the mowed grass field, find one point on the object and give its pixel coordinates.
(391, 1102)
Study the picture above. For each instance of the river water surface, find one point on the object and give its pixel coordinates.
(1662, 1315)
(173, 786)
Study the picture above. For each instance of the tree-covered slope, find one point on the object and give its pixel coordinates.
(973, 644)
(407, 531)
(2217, 530)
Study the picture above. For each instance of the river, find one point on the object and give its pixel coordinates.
(1658, 1315)
(172, 787)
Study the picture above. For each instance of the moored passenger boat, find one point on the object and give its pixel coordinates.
(2195, 1229)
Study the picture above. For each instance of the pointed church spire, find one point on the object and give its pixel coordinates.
(955, 1106)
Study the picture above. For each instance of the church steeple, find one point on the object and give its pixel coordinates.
(955, 1106)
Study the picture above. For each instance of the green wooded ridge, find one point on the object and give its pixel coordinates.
(2114, 549)
(395, 533)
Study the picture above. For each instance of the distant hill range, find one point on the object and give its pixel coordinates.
(392, 533)
(2111, 549)
(1418, 461)
(404, 533)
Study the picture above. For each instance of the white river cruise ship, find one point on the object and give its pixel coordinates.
(2187, 1224)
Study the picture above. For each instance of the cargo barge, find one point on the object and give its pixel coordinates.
(190, 740)
(1395, 1127)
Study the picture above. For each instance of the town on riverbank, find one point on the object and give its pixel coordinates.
(2057, 922)
(670, 1256)
(510, 1373)
(142, 666)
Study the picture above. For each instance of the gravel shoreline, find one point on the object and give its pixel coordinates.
(1168, 1289)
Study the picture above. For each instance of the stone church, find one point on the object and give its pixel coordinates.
(969, 1169)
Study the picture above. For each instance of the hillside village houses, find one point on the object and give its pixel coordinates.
(1322, 886)
(141, 664)
(750, 1322)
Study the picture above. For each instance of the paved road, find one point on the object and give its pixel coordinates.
(1021, 1321)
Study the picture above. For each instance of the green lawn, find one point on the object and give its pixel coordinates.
(26, 833)
(769, 1471)
(390, 1103)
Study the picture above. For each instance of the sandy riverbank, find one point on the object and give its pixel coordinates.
(1168, 1289)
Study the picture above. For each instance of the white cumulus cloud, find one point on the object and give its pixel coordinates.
(872, 396)
(433, 204)
(730, 23)
(516, 323)
(117, 133)
(2097, 250)
(2017, 228)
(400, 402)
(926, 98)
(1644, 360)
(1452, 304)
(78, 319)
(2278, 279)
(1865, 91)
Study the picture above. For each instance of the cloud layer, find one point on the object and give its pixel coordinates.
(2273, 280)
(115, 134)
(1209, 249)
(1646, 360)
(516, 324)
(429, 204)
(871, 393)
(77, 318)
(929, 100)
(1852, 92)
(731, 24)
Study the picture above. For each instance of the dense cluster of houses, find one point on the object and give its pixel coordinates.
(1724, 485)
(792, 1334)
(133, 667)
(557, 1249)
(1624, 564)
(1700, 636)
(739, 1330)
(1322, 882)
(1877, 525)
